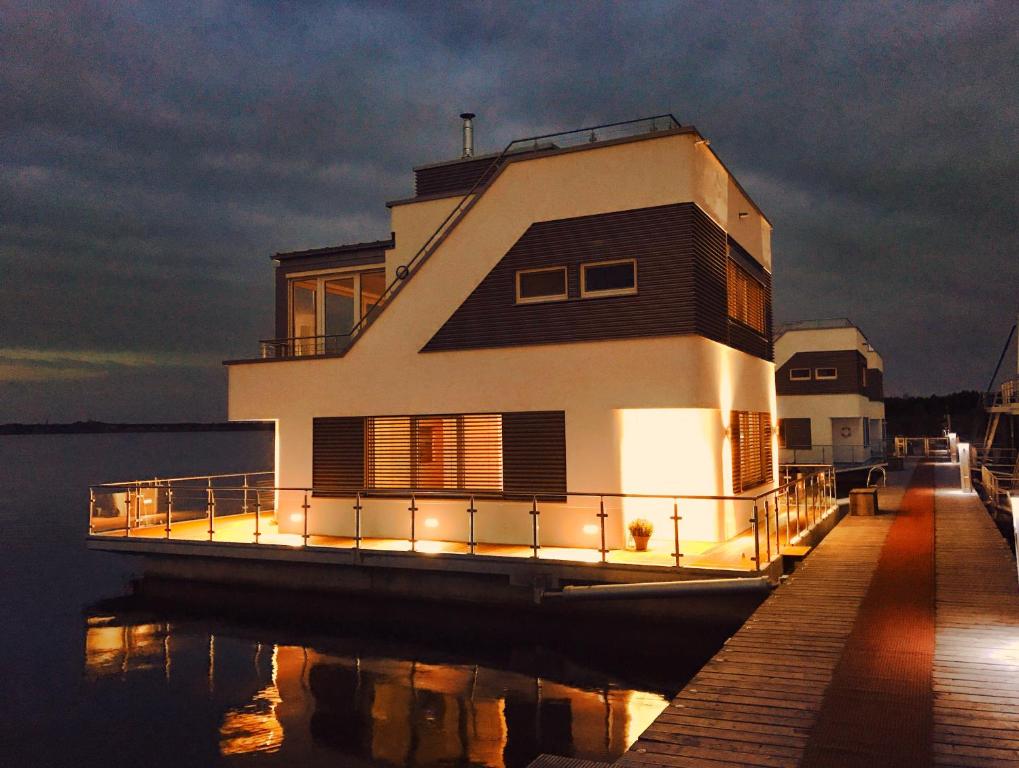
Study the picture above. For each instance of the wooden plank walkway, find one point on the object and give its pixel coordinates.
(976, 656)
(757, 701)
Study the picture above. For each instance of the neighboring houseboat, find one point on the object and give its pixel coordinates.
(829, 380)
(556, 345)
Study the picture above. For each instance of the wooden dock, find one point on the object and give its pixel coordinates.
(761, 700)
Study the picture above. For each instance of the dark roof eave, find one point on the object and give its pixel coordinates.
(373, 245)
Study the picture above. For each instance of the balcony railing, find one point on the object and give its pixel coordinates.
(338, 344)
(588, 527)
(833, 454)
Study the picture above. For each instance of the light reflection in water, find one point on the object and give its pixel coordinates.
(398, 711)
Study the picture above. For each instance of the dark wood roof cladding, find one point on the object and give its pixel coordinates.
(681, 279)
(339, 257)
(452, 177)
(849, 363)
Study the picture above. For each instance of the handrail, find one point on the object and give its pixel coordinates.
(775, 516)
(161, 480)
(459, 211)
(452, 493)
(884, 474)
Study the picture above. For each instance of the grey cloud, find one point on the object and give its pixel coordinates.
(155, 155)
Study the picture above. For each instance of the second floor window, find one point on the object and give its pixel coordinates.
(608, 278)
(826, 374)
(331, 304)
(537, 285)
(746, 298)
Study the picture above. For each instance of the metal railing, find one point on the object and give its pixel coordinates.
(833, 454)
(338, 344)
(472, 522)
(922, 447)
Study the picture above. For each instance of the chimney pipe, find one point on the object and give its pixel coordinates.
(468, 134)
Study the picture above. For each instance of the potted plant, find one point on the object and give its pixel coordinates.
(641, 531)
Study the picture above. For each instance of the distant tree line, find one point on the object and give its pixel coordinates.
(962, 412)
(102, 427)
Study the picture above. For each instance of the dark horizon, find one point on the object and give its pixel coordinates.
(156, 157)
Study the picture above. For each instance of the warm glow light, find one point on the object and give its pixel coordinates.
(431, 522)
(428, 547)
(590, 529)
(296, 517)
(672, 451)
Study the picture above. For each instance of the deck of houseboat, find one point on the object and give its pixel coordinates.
(735, 554)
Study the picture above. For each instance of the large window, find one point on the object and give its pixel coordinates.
(460, 452)
(519, 454)
(608, 278)
(746, 298)
(330, 305)
(751, 450)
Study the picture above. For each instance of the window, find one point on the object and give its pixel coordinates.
(826, 374)
(608, 278)
(521, 454)
(799, 374)
(454, 452)
(746, 298)
(751, 450)
(330, 305)
(535, 285)
(794, 433)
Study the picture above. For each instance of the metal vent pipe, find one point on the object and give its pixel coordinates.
(468, 134)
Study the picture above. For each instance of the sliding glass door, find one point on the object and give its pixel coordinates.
(325, 308)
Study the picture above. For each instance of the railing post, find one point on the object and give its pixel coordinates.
(601, 521)
(534, 526)
(305, 506)
(757, 540)
(91, 509)
(788, 524)
(127, 512)
(413, 523)
(800, 489)
(244, 502)
(258, 515)
(676, 555)
(210, 503)
(169, 506)
(471, 511)
(767, 530)
(357, 521)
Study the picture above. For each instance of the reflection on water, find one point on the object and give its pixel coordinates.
(400, 711)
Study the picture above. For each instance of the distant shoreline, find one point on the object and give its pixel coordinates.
(102, 427)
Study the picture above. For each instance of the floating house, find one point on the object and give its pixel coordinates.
(829, 380)
(562, 351)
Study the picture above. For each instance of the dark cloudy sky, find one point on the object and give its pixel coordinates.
(153, 157)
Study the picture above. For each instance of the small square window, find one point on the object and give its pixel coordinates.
(534, 285)
(799, 374)
(608, 278)
(826, 374)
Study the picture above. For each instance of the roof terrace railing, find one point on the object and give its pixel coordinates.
(248, 509)
(338, 344)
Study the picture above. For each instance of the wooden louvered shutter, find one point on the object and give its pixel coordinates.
(534, 454)
(337, 455)
(752, 460)
(442, 452)
(746, 297)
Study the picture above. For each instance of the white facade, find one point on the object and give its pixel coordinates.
(846, 426)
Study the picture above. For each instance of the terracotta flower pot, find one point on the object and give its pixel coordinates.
(640, 543)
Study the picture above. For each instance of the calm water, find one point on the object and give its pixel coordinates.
(95, 676)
